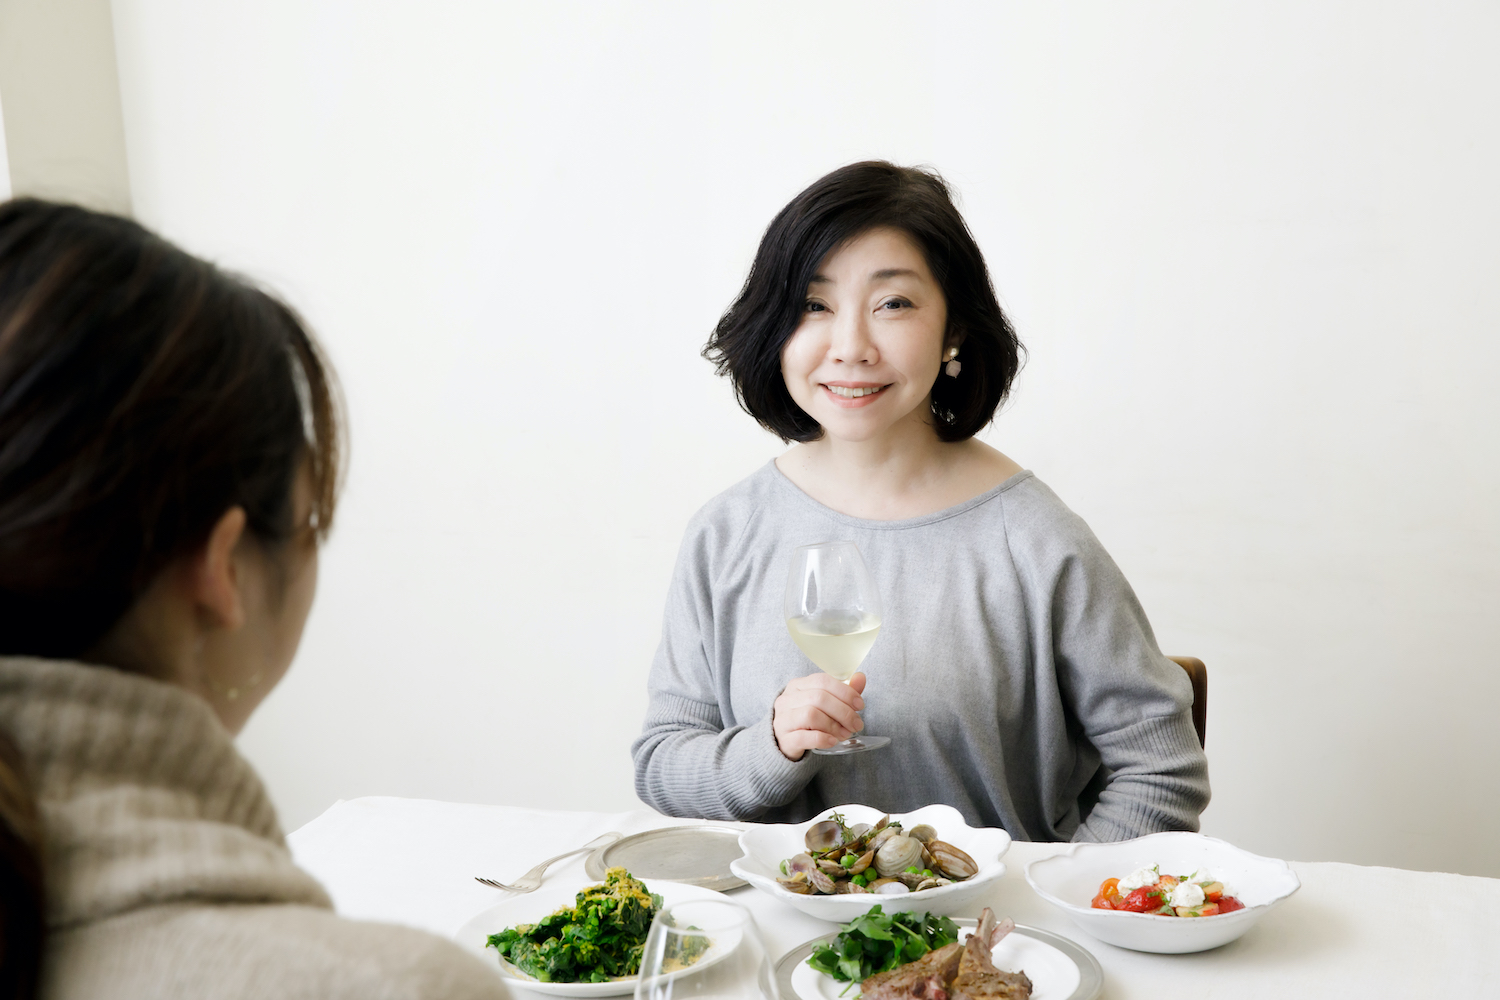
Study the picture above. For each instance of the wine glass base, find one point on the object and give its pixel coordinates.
(855, 744)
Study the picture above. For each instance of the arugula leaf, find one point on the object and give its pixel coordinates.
(876, 942)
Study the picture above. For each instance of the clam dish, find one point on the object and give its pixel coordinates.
(881, 857)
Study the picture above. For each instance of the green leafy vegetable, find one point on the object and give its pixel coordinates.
(597, 939)
(878, 943)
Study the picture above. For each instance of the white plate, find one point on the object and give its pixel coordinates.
(767, 845)
(531, 907)
(1058, 968)
(1070, 881)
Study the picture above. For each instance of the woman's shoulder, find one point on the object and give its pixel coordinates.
(259, 951)
(724, 518)
(1039, 525)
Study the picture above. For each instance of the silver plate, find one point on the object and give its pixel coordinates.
(694, 855)
(1090, 974)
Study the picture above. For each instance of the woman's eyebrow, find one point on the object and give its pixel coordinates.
(881, 275)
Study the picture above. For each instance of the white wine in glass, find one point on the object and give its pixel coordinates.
(833, 614)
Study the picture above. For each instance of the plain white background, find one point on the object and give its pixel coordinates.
(1252, 250)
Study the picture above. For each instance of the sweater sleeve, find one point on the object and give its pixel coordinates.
(687, 762)
(1133, 704)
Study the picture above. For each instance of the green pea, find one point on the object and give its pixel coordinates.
(848, 860)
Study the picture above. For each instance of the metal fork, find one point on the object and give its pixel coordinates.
(533, 879)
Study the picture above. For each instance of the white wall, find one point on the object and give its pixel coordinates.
(1252, 251)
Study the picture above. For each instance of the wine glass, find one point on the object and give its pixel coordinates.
(833, 613)
(705, 948)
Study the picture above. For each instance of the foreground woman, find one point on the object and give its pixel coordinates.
(1015, 672)
(169, 458)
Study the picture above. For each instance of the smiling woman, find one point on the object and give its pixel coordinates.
(1015, 672)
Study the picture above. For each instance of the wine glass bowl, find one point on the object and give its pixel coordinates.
(705, 949)
(833, 614)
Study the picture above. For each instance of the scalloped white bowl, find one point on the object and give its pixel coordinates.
(767, 845)
(1070, 881)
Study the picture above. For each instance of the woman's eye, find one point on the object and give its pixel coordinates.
(814, 307)
(894, 304)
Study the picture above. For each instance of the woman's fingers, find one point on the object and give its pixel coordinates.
(818, 708)
(849, 693)
(815, 712)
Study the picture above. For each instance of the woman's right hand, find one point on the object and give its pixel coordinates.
(816, 711)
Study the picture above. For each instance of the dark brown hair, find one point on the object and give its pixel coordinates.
(746, 345)
(143, 393)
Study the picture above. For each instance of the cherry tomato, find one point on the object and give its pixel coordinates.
(1142, 900)
(1228, 904)
(1213, 891)
(1109, 887)
(1101, 902)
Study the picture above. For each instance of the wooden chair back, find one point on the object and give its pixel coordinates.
(1198, 674)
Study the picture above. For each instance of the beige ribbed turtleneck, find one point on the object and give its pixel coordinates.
(167, 874)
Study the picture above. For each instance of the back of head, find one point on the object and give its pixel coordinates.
(143, 393)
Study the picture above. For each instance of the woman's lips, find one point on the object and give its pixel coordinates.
(852, 395)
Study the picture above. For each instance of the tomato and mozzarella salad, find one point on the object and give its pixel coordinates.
(1147, 890)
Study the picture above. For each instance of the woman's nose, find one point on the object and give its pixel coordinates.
(851, 341)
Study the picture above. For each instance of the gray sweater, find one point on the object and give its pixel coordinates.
(1015, 673)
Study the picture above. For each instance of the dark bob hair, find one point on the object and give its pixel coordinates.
(747, 343)
(143, 393)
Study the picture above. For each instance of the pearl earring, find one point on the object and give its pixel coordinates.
(953, 367)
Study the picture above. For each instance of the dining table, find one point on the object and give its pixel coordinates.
(1350, 931)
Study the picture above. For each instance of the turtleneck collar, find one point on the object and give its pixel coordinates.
(144, 798)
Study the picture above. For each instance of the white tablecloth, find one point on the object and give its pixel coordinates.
(1350, 932)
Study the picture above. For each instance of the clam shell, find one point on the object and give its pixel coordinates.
(951, 861)
(887, 887)
(886, 833)
(797, 883)
(821, 882)
(923, 832)
(865, 861)
(801, 863)
(823, 837)
(832, 869)
(897, 854)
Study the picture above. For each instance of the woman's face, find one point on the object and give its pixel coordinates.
(871, 339)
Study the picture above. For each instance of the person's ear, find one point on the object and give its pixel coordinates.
(214, 576)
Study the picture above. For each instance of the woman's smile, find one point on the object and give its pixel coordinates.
(853, 394)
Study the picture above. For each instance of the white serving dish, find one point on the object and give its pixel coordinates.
(767, 845)
(1070, 882)
(473, 936)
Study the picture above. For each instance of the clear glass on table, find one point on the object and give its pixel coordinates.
(706, 948)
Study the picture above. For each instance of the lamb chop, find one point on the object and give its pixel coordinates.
(977, 978)
(925, 979)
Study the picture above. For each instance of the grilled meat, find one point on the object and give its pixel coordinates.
(927, 978)
(977, 978)
(957, 972)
